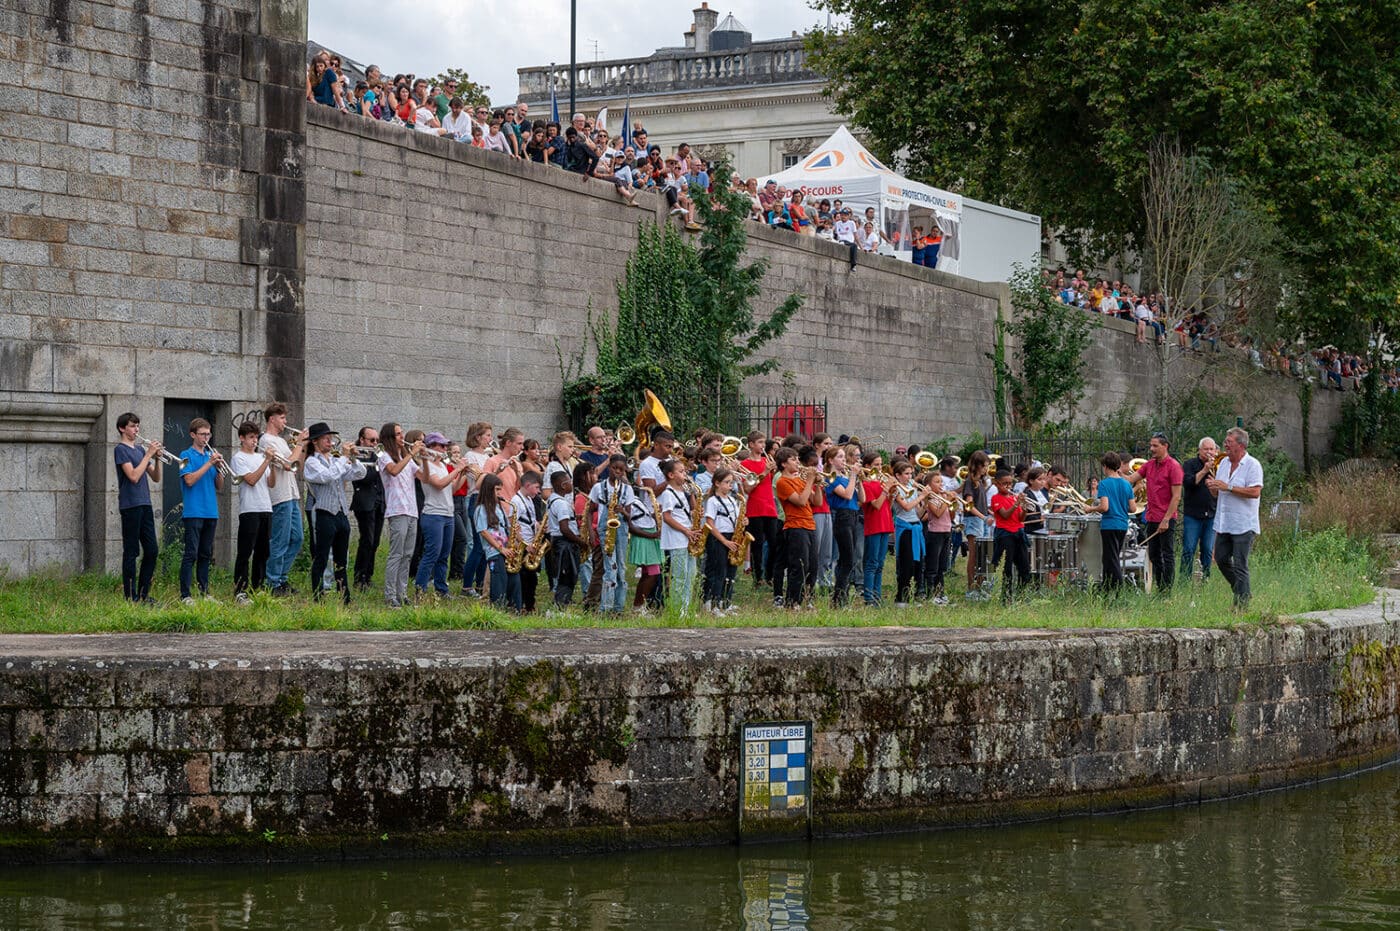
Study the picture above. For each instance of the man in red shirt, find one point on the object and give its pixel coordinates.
(1163, 476)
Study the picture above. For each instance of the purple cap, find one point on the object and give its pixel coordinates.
(434, 439)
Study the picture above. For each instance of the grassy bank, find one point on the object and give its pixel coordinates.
(1316, 571)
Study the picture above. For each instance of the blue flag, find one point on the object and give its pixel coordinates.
(553, 96)
(627, 119)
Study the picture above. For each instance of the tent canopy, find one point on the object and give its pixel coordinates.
(843, 168)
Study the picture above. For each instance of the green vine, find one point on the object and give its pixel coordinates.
(1048, 369)
(685, 326)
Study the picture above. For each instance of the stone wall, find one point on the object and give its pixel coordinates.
(147, 161)
(467, 283)
(336, 744)
(1123, 372)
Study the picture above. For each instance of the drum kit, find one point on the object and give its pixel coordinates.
(1070, 553)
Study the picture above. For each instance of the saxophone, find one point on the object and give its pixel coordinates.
(741, 535)
(697, 522)
(610, 535)
(515, 546)
(537, 550)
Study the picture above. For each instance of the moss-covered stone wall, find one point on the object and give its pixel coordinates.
(337, 744)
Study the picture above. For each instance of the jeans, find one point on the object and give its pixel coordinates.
(824, 548)
(877, 547)
(1162, 554)
(1196, 532)
(680, 576)
(138, 533)
(371, 527)
(800, 548)
(199, 549)
(252, 544)
(462, 536)
(403, 530)
(332, 546)
(474, 572)
(437, 546)
(1232, 556)
(284, 541)
(614, 594)
(505, 586)
(845, 528)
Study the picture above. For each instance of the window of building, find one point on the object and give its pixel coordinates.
(790, 160)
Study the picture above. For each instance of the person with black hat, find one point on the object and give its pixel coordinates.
(327, 475)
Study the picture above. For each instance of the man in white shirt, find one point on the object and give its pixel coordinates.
(1237, 486)
(457, 123)
(284, 539)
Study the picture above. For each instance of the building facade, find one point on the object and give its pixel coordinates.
(721, 91)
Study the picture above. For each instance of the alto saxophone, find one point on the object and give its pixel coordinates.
(741, 534)
(610, 535)
(697, 523)
(515, 546)
(537, 550)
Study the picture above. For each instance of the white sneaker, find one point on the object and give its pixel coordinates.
(212, 600)
(718, 612)
(242, 598)
(187, 600)
(731, 610)
(901, 604)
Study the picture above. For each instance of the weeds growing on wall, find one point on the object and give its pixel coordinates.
(1370, 423)
(1047, 369)
(686, 324)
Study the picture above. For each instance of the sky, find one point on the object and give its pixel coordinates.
(486, 38)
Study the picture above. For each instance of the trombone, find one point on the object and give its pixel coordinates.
(166, 456)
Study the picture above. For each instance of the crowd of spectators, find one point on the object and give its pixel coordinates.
(1195, 331)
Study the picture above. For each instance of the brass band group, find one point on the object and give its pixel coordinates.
(485, 518)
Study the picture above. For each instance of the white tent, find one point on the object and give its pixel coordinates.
(841, 168)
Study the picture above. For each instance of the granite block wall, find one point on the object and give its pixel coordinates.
(141, 146)
(343, 744)
(444, 282)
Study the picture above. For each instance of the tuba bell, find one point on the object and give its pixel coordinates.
(730, 446)
(653, 414)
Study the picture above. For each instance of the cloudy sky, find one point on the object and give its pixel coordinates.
(491, 38)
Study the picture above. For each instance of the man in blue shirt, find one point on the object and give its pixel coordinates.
(1115, 497)
(201, 481)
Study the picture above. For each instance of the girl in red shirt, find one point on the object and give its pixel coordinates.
(879, 525)
(761, 511)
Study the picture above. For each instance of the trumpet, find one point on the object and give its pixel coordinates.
(286, 465)
(350, 449)
(166, 456)
(224, 468)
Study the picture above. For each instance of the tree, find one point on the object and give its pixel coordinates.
(1047, 105)
(472, 93)
(686, 325)
(1050, 342)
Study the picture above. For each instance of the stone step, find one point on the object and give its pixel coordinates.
(1389, 540)
(1392, 577)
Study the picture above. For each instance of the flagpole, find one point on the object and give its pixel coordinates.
(573, 56)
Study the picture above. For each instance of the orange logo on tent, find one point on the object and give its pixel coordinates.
(824, 161)
(872, 162)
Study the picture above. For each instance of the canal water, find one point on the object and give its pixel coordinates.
(1321, 857)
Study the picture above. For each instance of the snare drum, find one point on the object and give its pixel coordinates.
(981, 554)
(1053, 554)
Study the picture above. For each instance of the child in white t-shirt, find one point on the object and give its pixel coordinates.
(254, 509)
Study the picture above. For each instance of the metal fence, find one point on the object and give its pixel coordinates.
(774, 416)
(1077, 454)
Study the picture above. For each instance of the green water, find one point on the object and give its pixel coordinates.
(1321, 857)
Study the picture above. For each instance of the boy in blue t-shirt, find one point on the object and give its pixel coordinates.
(200, 482)
(1115, 497)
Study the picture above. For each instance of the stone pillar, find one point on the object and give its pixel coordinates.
(43, 439)
(274, 149)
